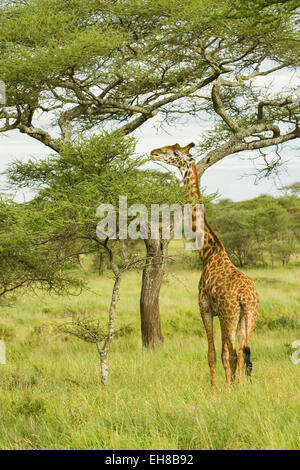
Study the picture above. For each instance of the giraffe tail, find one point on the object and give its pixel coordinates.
(248, 322)
(248, 363)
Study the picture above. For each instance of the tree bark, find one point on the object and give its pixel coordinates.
(151, 283)
(104, 368)
(81, 263)
(103, 352)
(101, 264)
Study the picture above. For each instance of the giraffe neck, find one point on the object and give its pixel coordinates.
(212, 244)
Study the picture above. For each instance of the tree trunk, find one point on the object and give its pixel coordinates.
(104, 368)
(104, 350)
(124, 251)
(149, 301)
(101, 264)
(81, 263)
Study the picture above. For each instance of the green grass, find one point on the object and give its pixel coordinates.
(51, 397)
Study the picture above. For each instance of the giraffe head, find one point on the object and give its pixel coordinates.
(174, 155)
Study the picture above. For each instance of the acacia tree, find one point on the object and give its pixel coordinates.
(258, 231)
(40, 241)
(27, 255)
(293, 188)
(248, 123)
(92, 64)
(61, 219)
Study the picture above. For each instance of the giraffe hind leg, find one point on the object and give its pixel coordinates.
(229, 355)
(226, 362)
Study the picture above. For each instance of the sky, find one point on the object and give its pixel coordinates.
(234, 176)
(231, 178)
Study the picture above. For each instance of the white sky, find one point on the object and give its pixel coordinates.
(228, 177)
(232, 177)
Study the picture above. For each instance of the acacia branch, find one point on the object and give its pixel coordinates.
(261, 104)
(41, 135)
(219, 106)
(237, 144)
(239, 140)
(4, 114)
(185, 92)
(7, 289)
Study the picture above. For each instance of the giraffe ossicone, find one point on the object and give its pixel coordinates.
(224, 291)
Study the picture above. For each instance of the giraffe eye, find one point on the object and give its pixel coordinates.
(176, 153)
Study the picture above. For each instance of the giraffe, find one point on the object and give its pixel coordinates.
(224, 291)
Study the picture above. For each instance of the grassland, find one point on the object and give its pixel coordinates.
(51, 397)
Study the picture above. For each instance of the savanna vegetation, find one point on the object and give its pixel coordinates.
(51, 396)
(80, 78)
(264, 231)
(158, 399)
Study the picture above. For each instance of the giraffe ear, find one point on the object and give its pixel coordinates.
(189, 146)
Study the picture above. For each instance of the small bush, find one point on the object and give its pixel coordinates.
(124, 331)
(7, 333)
(29, 406)
(277, 323)
(19, 381)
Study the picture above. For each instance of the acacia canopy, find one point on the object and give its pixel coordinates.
(115, 64)
(40, 240)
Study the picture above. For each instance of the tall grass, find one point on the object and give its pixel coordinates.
(51, 397)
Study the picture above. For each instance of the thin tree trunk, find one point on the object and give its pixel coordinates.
(104, 368)
(103, 352)
(149, 301)
(124, 251)
(101, 264)
(82, 265)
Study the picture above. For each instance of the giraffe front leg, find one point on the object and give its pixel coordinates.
(212, 359)
(207, 318)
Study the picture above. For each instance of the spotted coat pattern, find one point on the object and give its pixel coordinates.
(224, 291)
